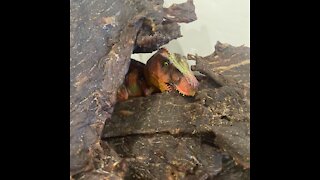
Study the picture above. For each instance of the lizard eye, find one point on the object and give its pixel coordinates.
(165, 63)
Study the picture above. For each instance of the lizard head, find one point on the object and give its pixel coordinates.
(169, 72)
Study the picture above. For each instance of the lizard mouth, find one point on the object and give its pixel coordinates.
(185, 88)
(183, 91)
(169, 87)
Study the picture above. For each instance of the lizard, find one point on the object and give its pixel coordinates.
(164, 71)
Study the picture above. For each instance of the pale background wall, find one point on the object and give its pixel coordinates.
(227, 21)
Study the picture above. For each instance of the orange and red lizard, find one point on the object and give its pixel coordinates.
(162, 72)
